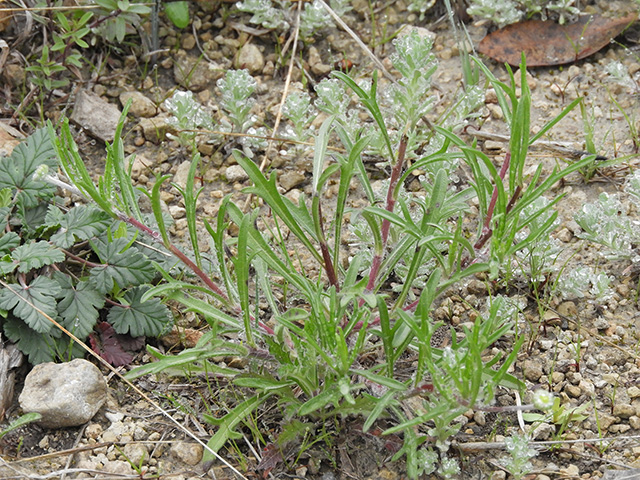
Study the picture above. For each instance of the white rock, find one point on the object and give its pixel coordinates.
(66, 394)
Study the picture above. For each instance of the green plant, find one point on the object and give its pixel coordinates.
(20, 421)
(298, 110)
(236, 88)
(421, 6)
(70, 31)
(187, 116)
(328, 308)
(178, 13)
(115, 16)
(560, 415)
(46, 70)
(68, 265)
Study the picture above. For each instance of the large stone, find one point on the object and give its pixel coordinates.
(65, 394)
(96, 116)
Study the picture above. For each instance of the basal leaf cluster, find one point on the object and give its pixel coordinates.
(66, 264)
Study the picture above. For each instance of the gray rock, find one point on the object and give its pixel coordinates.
(155, 129)
(140, 164)
(189, 453)
(235, 173)
(623, 410)
(96, 116)
(136, 453)
(532, 370)
(315, 62)
(288, 180)
(177, 211)
(543, 431)
(66, 394)
(193, 72)
(118, 467)
(251, 58)
(141, 106)
(182, 173)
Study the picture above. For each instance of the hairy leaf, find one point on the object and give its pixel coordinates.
(36, 255)
(80, 223)
(8, 242)
(150, 318)
(79, 305)
(4, 216)
(125, 268)
(37, 346)
(40, 294)
(16, 171)
(6, 265)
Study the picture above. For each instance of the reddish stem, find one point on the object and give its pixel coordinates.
(486, 230)
(391, 203)
(328, 264)
(183, 258)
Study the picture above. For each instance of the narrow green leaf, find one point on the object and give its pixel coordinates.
(381, 379)
(228, 423)
(380, 406)
(320, 151)
(241, 262)
(329, 395)
(268, 191)
(21, 421)
(156, 206)
(189, 360)
(262, 383)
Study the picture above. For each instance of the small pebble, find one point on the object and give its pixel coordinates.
(235, 173)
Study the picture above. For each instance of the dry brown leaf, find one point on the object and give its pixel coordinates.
(547, 43)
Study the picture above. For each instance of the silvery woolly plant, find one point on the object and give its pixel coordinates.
(505, 12)
(279, 15)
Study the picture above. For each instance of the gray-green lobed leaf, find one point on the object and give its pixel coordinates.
(36, 255)
(30, 302)
(125, 267)
(78, 305)
(138, 318)
(16, 171)
(80, 223)
(38, 346)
